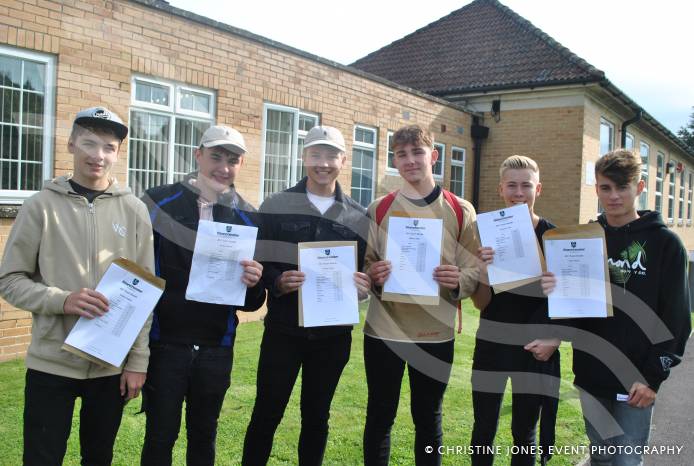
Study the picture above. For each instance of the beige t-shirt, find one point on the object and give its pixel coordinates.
(389, 320)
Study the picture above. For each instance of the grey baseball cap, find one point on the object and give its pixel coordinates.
(101, 116)
(224, 136)
(326, 135)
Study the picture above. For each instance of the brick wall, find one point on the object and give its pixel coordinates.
(550, 136)
(100, 45)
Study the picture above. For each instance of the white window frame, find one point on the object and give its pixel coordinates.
(18, 196)
(660, 166)
(690, 178)
(442, 157)
(458, 163)
(671, 193)
(292, 174)
(629, 137)
(645, 172)
(171, 111)
(609, 124)
(390, 170)
(374, 147)
(680, 192)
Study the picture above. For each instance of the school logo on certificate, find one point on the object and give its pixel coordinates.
(573, 244)
(228, 228)
(327, 252)
(416, 222)
(135, 281)
(502, 213)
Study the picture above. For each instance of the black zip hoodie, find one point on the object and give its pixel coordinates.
(651, 323)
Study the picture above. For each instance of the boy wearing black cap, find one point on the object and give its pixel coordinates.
(62, 241)
(316, 209)
(192, 342)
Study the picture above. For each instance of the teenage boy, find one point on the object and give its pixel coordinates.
(420, 337)
(620, 362)
(506, 347)
(63, 240)
(192, 342)
(316, 209)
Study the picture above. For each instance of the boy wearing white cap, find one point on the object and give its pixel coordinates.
(62, 241)
(192, 342)
(316, 209)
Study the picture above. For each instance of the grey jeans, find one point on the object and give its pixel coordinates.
(617, 431)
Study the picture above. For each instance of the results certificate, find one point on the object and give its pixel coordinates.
(579, 266)
(215, 275)
(132, 294)
(328, 296)
(517, 257)
(414, 250)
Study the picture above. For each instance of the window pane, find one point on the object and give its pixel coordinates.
(32, 111)
(306, 122)
(9, 143)
(10, 71)
(364, 135)
(9, 105)
(438, 166)
(458, 155)
(149, 149)
(362, 175)
(152, 93)
(195, 101)
(629, 145)
(34, 76)
(186, 140)
(279, 136)
(606, 137)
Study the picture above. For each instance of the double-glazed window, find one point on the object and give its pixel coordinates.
(167, 121)
(645, 150)
(363, 164)
(284, 130)
(689, 198)
(26, 108)
(671, 192)
(659, 173)
(438, 166)
(680, 208)
(629, 143)
(458, 171)
(606, 136)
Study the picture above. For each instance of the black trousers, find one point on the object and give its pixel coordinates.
(49, 401)
(429, 369)
(493, 365)
(200, 375)
(281, 356)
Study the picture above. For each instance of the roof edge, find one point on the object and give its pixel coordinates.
(522, 85)
(629, 102)
(164, 6)
(549, 40)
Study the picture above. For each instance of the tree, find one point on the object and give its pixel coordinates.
(686, 133)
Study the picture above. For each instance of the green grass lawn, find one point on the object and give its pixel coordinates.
(347, 414)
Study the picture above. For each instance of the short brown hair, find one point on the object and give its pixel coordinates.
(518, 162)
(413, 134)
(621, 166)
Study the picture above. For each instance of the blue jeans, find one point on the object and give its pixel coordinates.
(200, 375)
(614, 429)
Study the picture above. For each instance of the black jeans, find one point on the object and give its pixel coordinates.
(49, 401)
(281, 356)
(198, 374)
(493, 365)
(429, 369)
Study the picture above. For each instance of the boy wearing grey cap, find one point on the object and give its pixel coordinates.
(192, 342)
(62, 241)
(316, 209)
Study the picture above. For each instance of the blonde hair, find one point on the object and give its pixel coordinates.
(518, 162)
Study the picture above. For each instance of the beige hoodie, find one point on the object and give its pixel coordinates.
(59, 244)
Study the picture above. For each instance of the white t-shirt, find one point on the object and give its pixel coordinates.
(322, 203)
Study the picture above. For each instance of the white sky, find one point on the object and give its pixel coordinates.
(644, 47)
